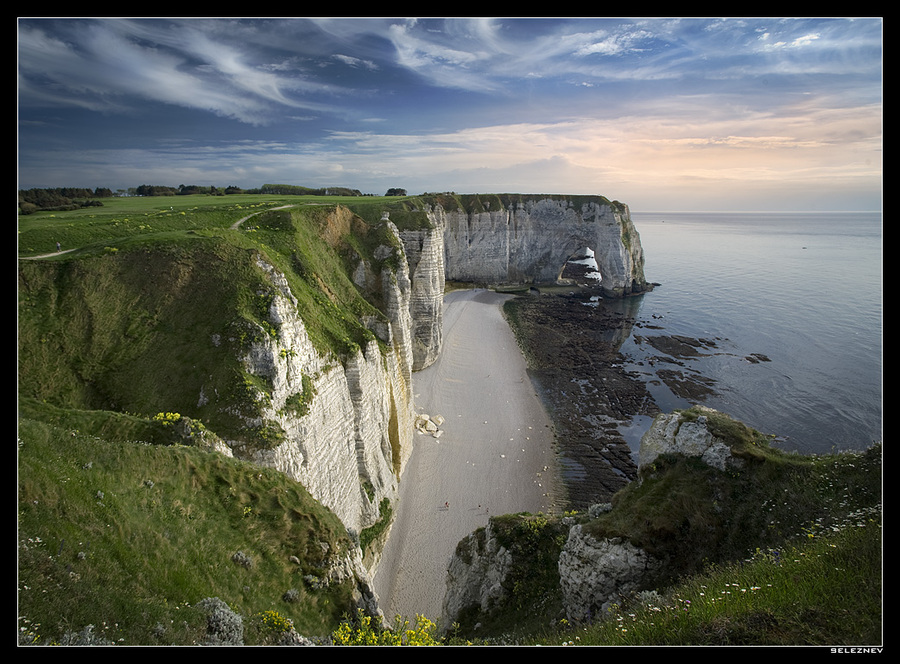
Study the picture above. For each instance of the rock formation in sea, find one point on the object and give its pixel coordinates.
(594, 572)
(529, 241)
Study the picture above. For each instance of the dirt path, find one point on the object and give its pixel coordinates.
(495, 454)
(236, 225)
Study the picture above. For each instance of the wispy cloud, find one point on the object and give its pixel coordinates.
(626, 108)
(117, 65)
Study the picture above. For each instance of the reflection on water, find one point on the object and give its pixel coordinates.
(803, 289)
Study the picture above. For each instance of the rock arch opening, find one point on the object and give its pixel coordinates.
(581, 267)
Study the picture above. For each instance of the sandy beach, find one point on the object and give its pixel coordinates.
(495, 453)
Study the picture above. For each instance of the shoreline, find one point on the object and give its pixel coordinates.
(549, 358)
(496, 453)
(599, 404)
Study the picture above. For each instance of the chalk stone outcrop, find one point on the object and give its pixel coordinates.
(670, 435)
(594, 574)
(424, 249)
(530, 241)
(476, 574)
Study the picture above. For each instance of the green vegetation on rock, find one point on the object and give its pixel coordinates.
(785, 550)
(130, 531)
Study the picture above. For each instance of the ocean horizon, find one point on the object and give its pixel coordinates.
(804, 290)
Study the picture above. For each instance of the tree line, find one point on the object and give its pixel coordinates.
(61, 198)
(73, 198)
(182, 190)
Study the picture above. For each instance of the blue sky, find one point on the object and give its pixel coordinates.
(662, 114)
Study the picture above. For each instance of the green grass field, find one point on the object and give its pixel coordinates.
(123, 219)
(125, 528)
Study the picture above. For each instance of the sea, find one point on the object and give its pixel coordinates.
(802, 290)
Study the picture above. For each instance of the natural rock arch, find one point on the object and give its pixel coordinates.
(530, 241)
(584, 256)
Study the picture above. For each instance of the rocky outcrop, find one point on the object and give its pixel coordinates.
(670, 433)
(530, 240)
(476, 574)
(594, 574)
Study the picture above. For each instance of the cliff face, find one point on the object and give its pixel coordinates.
(476, 574)
(593, 574)
(425, 255)
(351, 438)
(530, 241)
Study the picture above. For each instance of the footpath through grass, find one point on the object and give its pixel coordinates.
(123, 219)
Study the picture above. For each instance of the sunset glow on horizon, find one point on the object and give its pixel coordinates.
(662, 114)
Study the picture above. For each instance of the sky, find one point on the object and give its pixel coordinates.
(663, 114)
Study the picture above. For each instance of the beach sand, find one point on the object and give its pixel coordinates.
(495, 454)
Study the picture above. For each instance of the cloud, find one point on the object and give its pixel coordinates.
(118, 65)
(626, 108)
(356, 62)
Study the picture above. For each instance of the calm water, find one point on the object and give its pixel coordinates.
(804, 289)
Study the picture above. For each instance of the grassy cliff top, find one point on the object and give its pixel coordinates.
(122, 523)
(155, 305)
(125, 219)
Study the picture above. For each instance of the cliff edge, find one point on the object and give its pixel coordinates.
(711, 491)
(528, 240)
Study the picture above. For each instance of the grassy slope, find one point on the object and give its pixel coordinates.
(128, 535)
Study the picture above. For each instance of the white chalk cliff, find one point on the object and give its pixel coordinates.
(351, 446)
(351, 441)
(529, 241)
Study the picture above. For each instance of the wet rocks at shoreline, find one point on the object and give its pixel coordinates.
(572, 340)
(574, 359)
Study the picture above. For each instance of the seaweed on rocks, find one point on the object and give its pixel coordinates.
(572, 342)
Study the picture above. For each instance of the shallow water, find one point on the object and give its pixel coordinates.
(803, 289)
